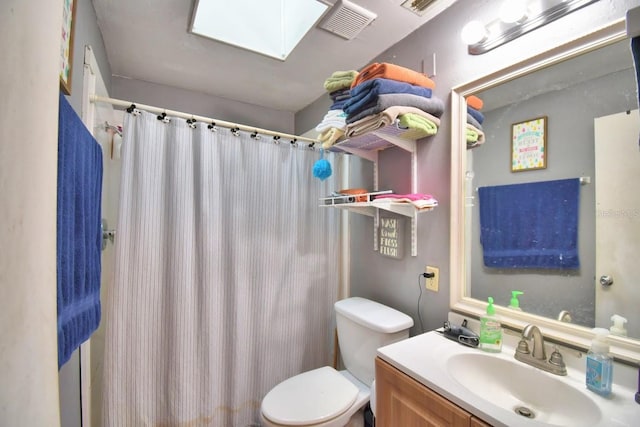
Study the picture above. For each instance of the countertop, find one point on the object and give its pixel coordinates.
(422, 358)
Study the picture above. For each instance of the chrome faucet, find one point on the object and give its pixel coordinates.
(537, 356)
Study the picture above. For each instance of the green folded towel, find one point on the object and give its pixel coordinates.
(340, 80)
(474, 136)
(417, 126)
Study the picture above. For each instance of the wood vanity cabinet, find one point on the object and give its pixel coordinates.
(402, 401)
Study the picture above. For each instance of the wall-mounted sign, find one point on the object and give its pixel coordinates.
(391, 237)
(529, 145)
(66, 44)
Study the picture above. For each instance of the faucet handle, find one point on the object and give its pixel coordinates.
(523, 347)
(556, 360)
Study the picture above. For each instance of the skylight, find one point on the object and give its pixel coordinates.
(269, 27)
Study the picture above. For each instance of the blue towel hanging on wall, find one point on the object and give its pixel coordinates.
(78, 242)
(533, 225)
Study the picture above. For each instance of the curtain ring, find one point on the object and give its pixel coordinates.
(255, 135)
(294, 142)
(212, 127)
(163, 118)
(276, 139)
(133, 110)
(235, 131)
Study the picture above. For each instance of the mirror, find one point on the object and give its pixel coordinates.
(570, 86)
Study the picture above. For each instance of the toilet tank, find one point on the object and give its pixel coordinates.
(363, 327)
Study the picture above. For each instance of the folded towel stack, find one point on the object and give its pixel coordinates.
(333, 125)
(366, 95)
(421, 123)
(383, 93)
(475, 133)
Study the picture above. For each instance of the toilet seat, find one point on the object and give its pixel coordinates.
(309, 398)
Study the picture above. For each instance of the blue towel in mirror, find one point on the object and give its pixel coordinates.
(78, 235)
(532, 225)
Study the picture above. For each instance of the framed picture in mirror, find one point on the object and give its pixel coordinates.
(66, 45)
(529, 145)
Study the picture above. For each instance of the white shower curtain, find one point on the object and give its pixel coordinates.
(226, 275)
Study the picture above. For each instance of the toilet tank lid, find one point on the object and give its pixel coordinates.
(373, 315)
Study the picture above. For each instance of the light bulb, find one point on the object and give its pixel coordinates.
(513, 11)
(473, 32)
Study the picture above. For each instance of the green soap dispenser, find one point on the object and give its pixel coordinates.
(514, 304)
(490, 330)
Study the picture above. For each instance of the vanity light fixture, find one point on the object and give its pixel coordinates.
(513, 11)
(517, 17)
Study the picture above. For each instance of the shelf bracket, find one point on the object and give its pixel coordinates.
(414, 234)
(371, 155)
(406, 144)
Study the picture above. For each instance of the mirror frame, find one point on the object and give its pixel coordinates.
(622, 348)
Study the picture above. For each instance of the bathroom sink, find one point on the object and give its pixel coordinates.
(525, 390)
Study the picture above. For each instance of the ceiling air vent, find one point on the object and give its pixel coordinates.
(346, 19)
(419, 7)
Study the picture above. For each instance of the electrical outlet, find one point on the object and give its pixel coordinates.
(432, 282)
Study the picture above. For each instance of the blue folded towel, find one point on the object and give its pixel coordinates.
(337, 105)
(433, 105)
(78, 232)
(476, 114)
(367, 91)
(533, 225)
(340, 95)
(473, 122)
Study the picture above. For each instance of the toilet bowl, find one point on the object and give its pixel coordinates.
(330, 399)
(325, 397)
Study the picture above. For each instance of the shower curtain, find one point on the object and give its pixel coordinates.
(225, 278)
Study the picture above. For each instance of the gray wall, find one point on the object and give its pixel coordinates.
(200, 104)
(570, 147)
(86, 33)
(394, 282)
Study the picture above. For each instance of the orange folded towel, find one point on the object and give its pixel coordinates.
(474, 102)
(393, 72)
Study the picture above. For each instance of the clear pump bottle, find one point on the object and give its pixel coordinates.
(599, 364)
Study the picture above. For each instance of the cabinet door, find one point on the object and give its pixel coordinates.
(402, 401)
(477, 422)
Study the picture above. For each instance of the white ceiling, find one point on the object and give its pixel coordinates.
(149, 40)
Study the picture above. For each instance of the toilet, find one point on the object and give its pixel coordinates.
(326, 397)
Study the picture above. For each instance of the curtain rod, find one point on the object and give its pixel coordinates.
(156, 110)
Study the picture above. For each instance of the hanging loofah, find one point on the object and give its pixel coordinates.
(322, 167)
